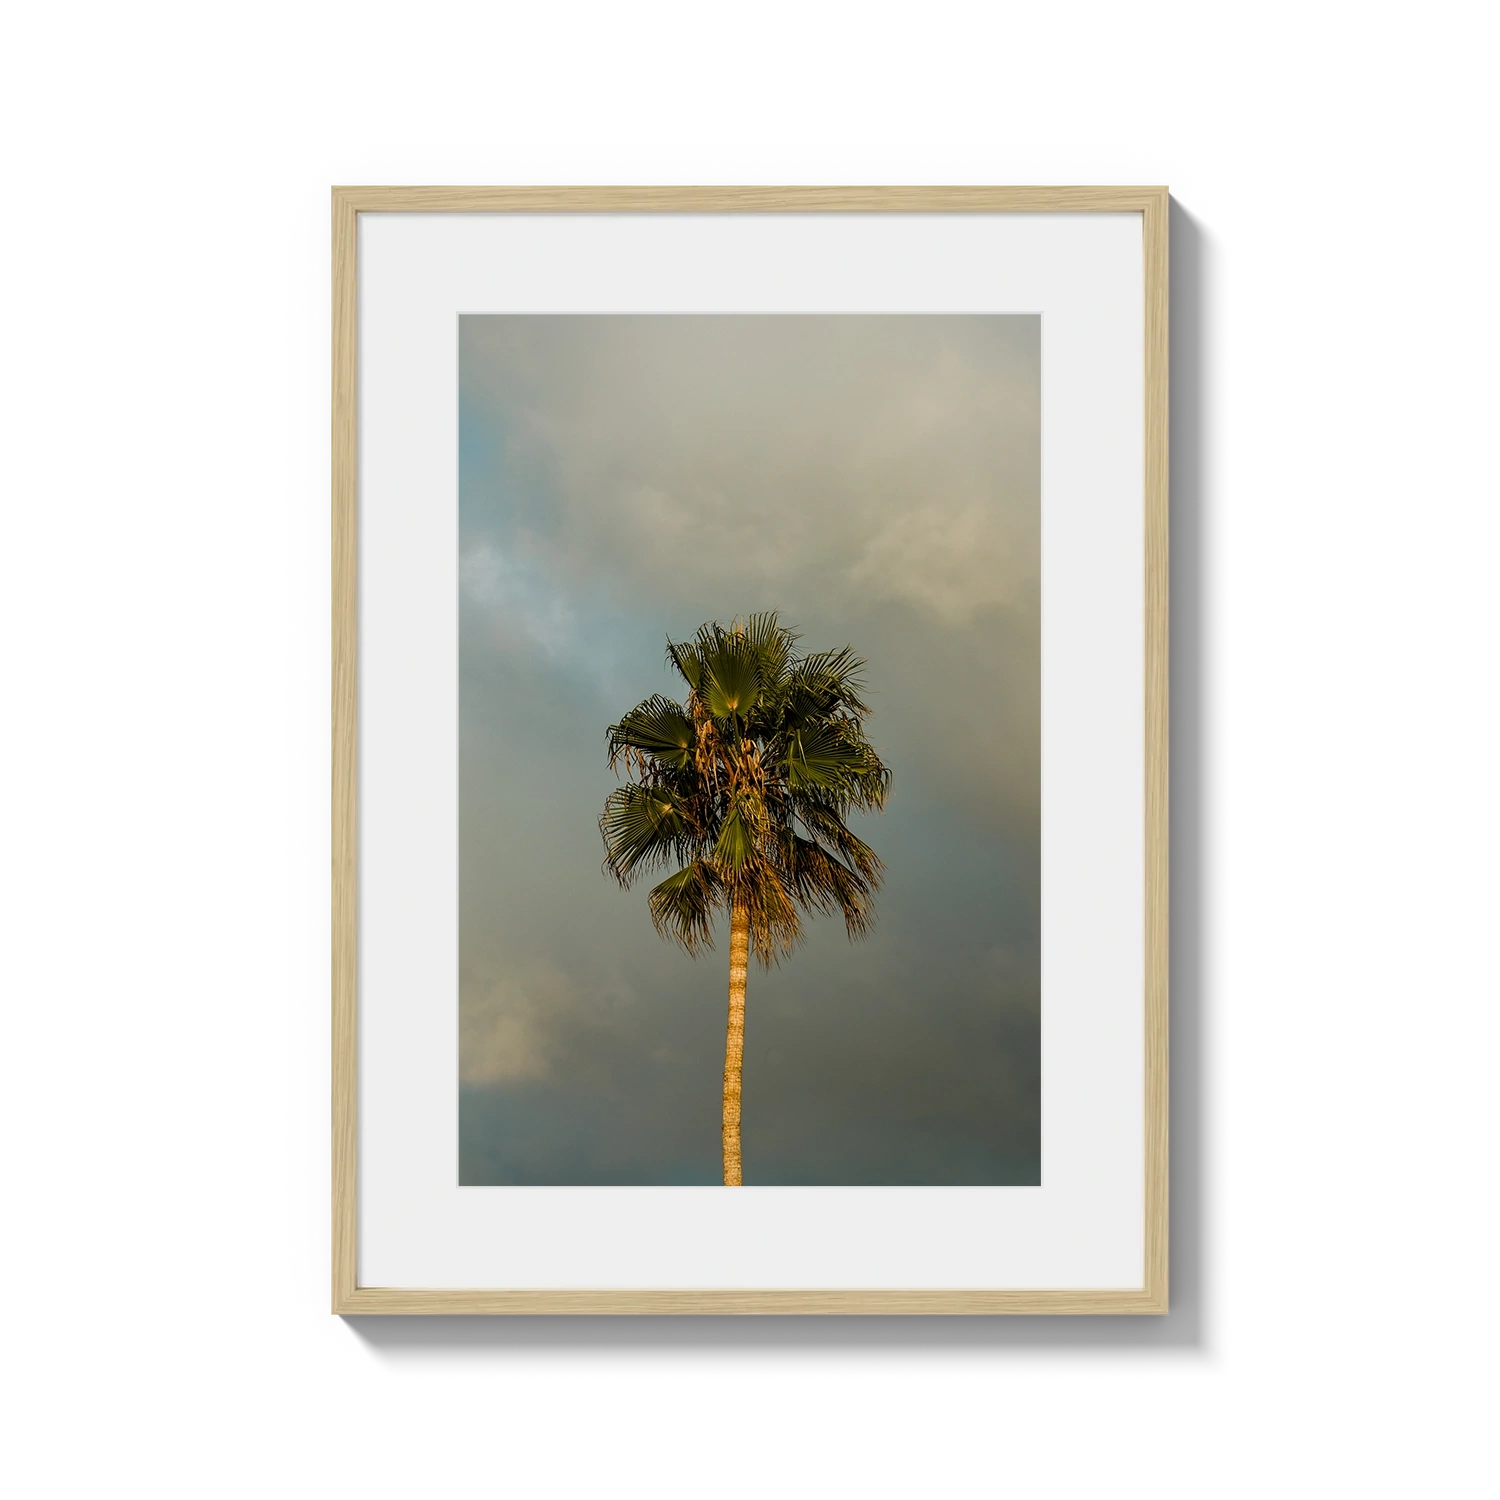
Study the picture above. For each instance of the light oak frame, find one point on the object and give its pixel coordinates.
(348, 203)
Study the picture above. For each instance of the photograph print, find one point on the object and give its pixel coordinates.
(749, 750)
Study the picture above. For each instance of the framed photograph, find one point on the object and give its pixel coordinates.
(750, 750)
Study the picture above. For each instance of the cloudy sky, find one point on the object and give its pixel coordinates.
(876, 480)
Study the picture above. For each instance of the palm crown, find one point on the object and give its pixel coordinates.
(747, 787)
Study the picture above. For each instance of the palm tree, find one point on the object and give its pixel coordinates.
(746, 788)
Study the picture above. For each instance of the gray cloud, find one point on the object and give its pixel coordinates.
(877, 480)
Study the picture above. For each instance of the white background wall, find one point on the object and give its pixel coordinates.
(164, 762)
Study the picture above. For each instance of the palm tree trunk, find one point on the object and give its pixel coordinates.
(734, 1041)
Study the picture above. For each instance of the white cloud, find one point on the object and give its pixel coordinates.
(508, 1026)
(897, 455)
(950, 559)
(518, 597)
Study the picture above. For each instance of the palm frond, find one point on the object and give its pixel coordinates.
(658, 728)
(731, 676)
(828, 829)
(814, 872)
(736, 841)
(827, 681)
(820, 755)
(872, 786)
(852, 893)
(772, 642)
(688, 660)
(642, 827)
(869, 786)
(683, 906)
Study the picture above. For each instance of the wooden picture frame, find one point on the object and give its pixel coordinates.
(349, 204)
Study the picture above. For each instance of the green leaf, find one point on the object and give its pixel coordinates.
(641, 826)
(688, 660)
(824, 683)
(828, 828)
(772, 643)
(736, 841)
(659, 728)
(683, 905)
(731, 677)
(818, 756)
(829, 886)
